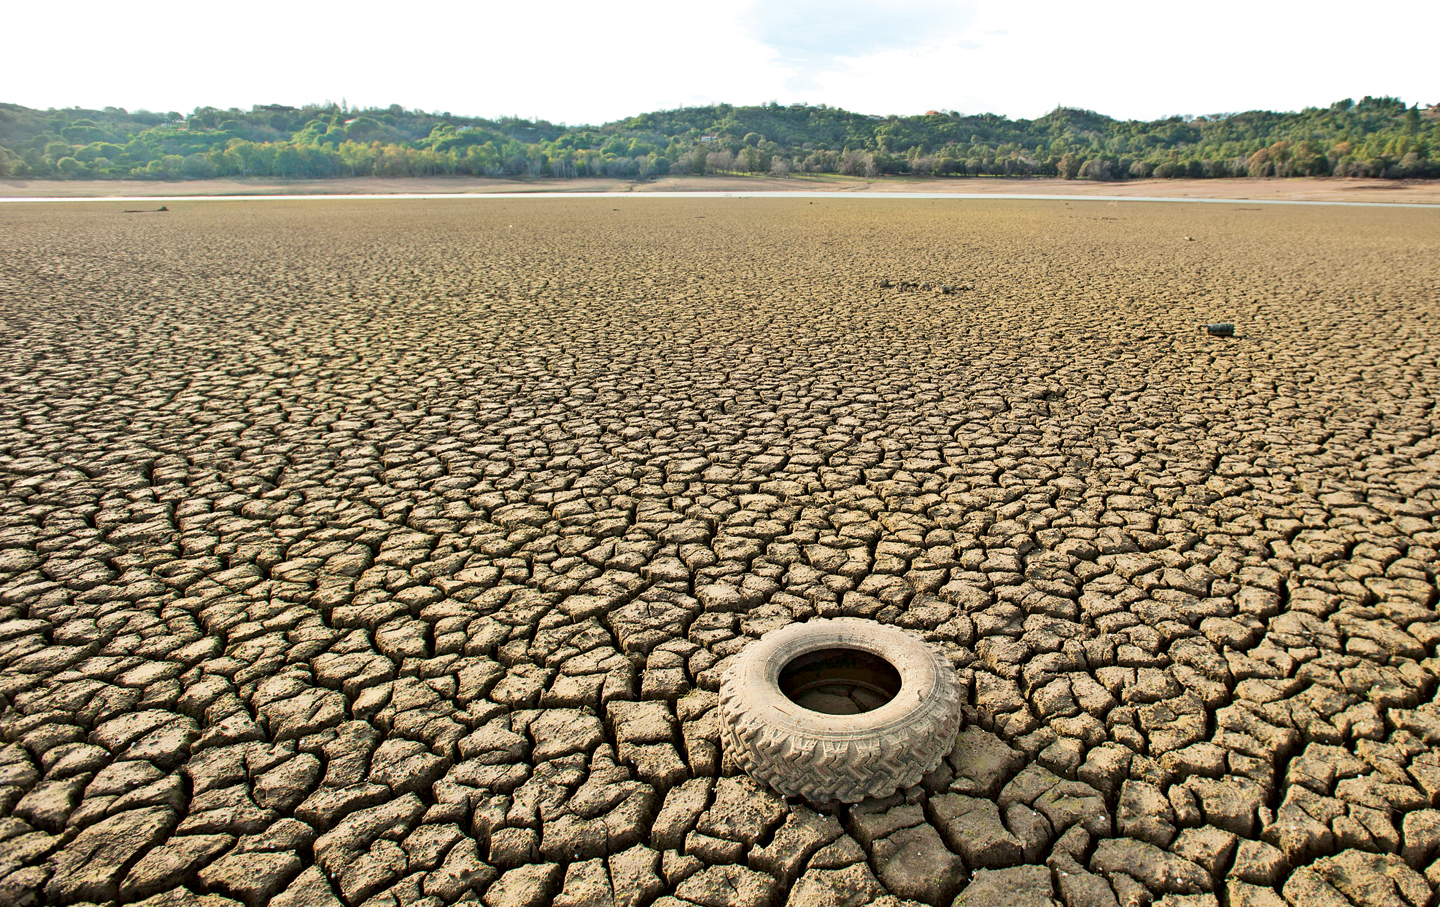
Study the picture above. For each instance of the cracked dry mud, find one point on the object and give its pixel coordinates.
(389, 553)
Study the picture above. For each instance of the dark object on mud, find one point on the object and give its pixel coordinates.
(1220, 329)
(145, 210)
(886, 283)
(839, 710)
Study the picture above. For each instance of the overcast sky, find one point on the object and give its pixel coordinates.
(593, 62)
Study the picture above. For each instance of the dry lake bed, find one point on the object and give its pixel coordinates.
(390, 552)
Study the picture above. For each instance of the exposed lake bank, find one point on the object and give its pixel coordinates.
(1306, 189)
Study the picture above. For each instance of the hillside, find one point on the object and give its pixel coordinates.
(1376, 137)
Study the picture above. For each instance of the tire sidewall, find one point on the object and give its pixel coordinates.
(756, 677)
(846, 758)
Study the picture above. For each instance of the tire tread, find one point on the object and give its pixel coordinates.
(798, 765)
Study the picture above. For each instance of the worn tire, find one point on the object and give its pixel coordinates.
(823, 757)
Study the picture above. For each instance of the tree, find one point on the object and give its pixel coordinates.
(719, 162)
(1097, 169)
(198, 167)
(1261, 163)
(287, 162)
(1372, 138)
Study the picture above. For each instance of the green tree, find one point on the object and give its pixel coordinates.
(198, 167)
(1098, 169)
(1375, 137)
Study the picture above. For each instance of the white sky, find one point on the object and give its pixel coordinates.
(594, 62)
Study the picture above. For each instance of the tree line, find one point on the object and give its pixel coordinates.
(1375, 137)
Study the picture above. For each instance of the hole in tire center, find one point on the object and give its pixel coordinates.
(839, 681)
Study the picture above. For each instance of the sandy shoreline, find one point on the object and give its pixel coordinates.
(1302, 189)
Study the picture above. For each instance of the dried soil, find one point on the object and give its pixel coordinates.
(1296, 189)
(390, 552)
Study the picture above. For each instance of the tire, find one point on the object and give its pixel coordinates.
(827, 757)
